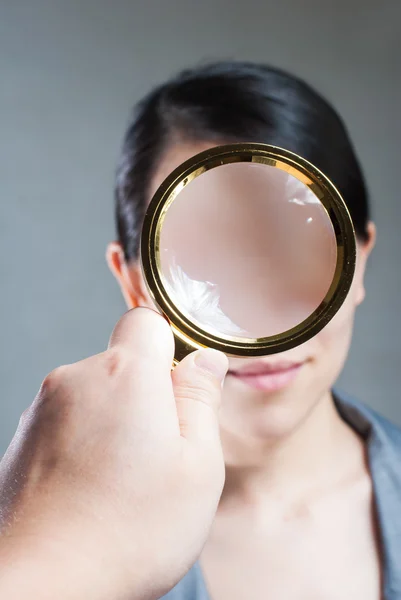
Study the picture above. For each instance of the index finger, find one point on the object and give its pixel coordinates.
(144, 331)
(147, 343)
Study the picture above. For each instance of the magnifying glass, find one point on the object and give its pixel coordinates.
(248, 249)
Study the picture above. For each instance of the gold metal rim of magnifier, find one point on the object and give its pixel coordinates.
(188, 335)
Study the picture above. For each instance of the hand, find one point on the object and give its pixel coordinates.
(113, 478)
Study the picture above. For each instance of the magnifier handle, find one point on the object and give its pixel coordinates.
(183, 347)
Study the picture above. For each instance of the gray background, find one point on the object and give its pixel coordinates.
(69, 73)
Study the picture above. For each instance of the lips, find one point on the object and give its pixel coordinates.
(267, 376)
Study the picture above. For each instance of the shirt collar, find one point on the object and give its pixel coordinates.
(383, 441)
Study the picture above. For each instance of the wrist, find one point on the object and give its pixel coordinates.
(54, 565)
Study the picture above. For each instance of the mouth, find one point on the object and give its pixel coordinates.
(267, 376)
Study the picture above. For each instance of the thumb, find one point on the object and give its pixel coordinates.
(197, 383)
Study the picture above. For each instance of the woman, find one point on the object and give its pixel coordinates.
(312, 502)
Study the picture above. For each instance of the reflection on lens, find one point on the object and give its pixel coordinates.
(247, 251)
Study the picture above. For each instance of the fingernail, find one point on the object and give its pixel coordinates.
(213, 361)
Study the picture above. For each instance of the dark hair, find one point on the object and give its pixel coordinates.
(234, 101)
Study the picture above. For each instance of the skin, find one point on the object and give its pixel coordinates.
(111, 482)
(297, 512)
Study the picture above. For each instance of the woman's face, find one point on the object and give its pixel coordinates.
(268, 398)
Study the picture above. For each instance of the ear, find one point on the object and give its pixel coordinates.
(364, 250)
(129, 277)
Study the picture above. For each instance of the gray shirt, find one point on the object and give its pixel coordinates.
(383, 441)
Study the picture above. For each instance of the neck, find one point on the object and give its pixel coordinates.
(319, 453)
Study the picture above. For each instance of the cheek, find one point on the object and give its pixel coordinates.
(247, 413)
(330, 347)
(333, 342)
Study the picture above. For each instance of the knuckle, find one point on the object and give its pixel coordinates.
(24, 417)
(57, 387)
(116, 360)
(53, 381)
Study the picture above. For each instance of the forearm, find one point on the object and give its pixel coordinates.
(42, 570)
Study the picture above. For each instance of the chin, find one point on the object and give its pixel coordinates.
(276, 421)
(261, 415)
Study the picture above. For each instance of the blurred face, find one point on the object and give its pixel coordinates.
(264, 399)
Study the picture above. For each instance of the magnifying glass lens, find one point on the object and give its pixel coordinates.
(247, 251)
